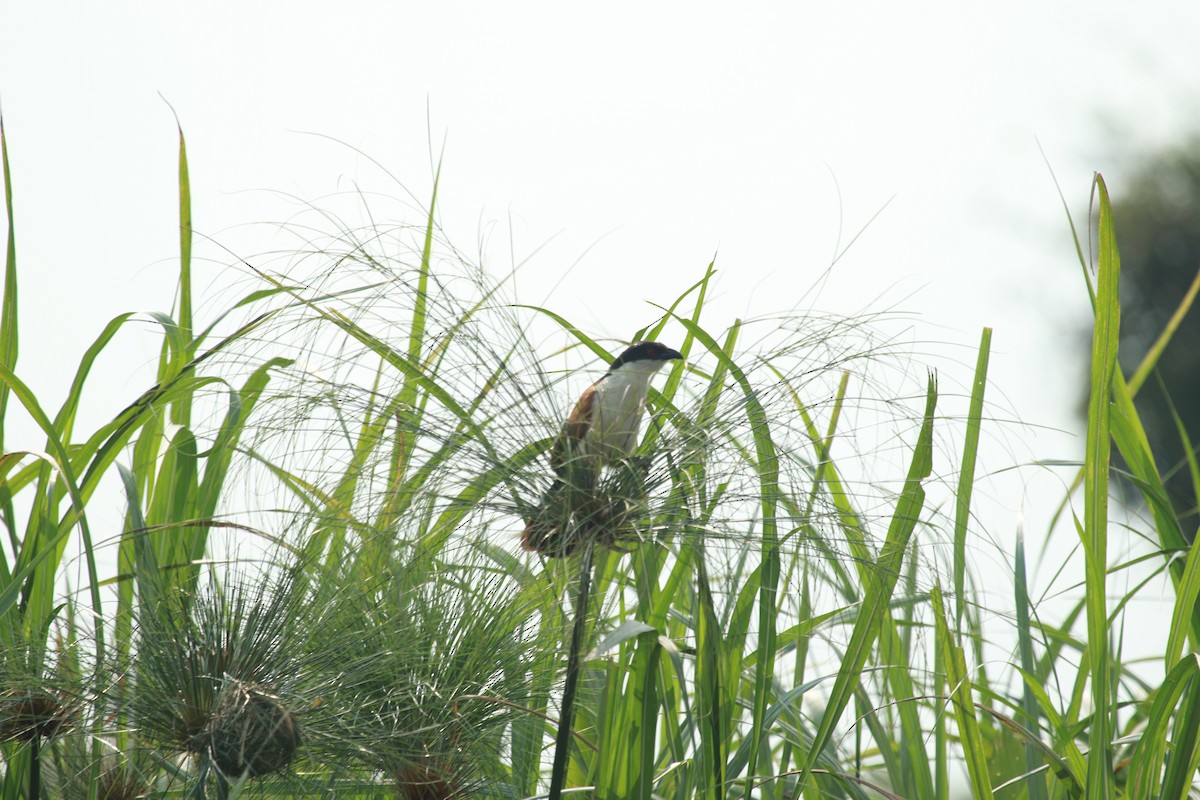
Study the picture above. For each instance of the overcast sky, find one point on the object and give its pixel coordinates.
(635, 139)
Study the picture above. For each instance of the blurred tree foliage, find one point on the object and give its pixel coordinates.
(1157, 217)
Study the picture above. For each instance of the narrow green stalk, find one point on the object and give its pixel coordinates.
(562, 744)
(35, 767)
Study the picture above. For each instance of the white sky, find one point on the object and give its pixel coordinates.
(638, 139)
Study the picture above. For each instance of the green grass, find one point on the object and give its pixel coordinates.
(787, 614)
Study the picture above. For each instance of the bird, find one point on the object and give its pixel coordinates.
(601, 430)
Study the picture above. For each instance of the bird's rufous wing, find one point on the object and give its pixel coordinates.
(573, 431)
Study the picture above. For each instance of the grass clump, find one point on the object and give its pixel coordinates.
(216, 674)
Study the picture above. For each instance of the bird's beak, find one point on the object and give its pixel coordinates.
(672, 355)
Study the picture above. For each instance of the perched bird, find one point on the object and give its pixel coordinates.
(601, 429)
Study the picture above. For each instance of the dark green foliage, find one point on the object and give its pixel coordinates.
(1157, 222)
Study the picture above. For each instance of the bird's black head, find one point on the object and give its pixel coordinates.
(645, 351)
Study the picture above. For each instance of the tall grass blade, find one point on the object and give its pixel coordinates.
(955, 664)
(1180, 779)
(181, 411)
(712, 710)
(1129, 435)
(9, 340)
(1074, 770)
(104, 446)
(225, 445)
(912, 772)
(700, 287)
(144, 562)
(966, 477)
(1155, 747)
(64, 421)
(1186, 593)
(411, 388)
(1096, 476)
(8, 312)
(1035, 784)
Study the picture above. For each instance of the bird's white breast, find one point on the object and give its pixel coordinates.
(617, 411)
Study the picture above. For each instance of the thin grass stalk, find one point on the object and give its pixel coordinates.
(562, 743)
